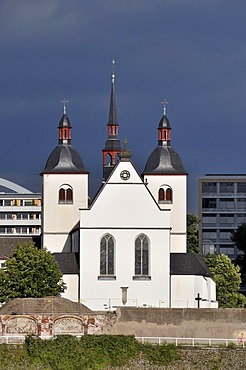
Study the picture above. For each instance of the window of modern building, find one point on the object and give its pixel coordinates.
(65, 195)
(225, 234)
(209, 203)
(241, 218)
(241, 187)
(208, 219)
(226, 187)
(241, 203)
(107, 255)
(209, 187)
(225, 249)
(226, 203)
(142, 255)
(209, 234)
(227, 218)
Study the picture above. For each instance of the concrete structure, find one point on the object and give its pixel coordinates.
(129, 246)
(20, 217)
(20, 210)
(51, 317)
(222, 208)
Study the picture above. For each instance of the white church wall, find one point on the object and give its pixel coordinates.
(178, 207)
(72, 283)
(185, 288)
(98, 293)
(59, 219)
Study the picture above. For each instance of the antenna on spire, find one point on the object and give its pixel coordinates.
(164, 102)
(64, 102)
(113, 70)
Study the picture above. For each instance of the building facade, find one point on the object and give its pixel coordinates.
(222, 208)
(20, 217)
(128, 247)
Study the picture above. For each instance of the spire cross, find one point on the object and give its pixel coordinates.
(64, 101)
(113, 70)
(125, 143)
(164, 102)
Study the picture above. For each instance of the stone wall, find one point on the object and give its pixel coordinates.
(141, 322)
(181, 322)
(43, 326)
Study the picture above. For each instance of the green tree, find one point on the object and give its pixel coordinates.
(227, 278)
(30, 272)
(192, 234)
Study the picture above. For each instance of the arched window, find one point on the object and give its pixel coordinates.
(107, 255)
(65, 195)
(169, 195)
(109, 160)
(142, 255)
(161, 196)
(165, 194)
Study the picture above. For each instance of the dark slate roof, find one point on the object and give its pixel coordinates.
(112, 144)
(8, 244)
(68, 262)
(164, 160)
(112, 119)
(64, 121)
(188, 264)
(64, 159)
(164, 122)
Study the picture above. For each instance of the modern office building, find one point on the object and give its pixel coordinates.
(222, 208)
(20, 217)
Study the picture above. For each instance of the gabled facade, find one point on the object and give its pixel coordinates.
(129, 246)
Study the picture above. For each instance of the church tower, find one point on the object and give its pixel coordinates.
(64, 190)
(112, 145)
(166, 178)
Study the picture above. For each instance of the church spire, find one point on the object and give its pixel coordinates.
(164, 127)
(64, 126)
(112, 119)
(112, 145)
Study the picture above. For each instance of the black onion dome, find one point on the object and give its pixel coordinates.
(164, 160)
(164, 122)
(64, 159)
(64, 121)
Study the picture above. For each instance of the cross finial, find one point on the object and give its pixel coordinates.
(125, 143)
(64, 102)
(113, 70)
(164, 102)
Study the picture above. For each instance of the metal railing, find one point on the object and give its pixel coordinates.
(186, 342)
(195, 342)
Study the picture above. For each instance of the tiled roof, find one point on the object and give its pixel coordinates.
(188, 264)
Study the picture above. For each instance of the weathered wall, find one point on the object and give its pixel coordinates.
(177, 322)
(141, 322)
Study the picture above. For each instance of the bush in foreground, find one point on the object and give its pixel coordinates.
(95, 352)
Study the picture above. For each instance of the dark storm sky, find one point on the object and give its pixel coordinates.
(190, 52)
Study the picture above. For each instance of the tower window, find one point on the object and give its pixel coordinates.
(65, 195)
(107, 255)
(165, 194)
(141, 256)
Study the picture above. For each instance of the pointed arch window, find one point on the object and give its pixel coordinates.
(65, 195)
(107, 252)
(141, 257)
(165, 194)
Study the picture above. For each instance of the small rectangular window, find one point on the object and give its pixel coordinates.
(241, 187)
(226, 187)
(209, 188)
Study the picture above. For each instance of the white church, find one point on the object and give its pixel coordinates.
(128, 246)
